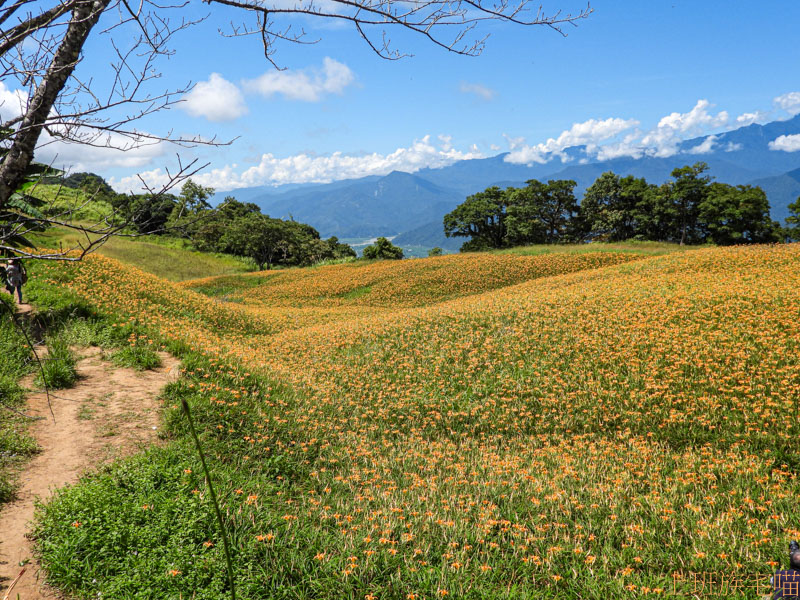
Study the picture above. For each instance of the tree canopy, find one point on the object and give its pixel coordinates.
(688, 209)
(383, 249)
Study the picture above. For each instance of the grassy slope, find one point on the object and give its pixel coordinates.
(163, 257)
(168, 258)
(582, 435)
(643, 248)
(15, 443)
(418, 282)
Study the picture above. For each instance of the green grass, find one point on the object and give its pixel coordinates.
(58, 366)
(16, 445)
(222, 287)
(63, 202)
(137, 357)
(168, 258)
(644, 248)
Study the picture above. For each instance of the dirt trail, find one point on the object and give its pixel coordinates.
(109, 413)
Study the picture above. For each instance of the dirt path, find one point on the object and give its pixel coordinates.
(109, 413)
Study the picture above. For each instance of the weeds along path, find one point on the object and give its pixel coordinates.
(110, 412)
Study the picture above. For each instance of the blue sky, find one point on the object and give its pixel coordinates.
(633, 74)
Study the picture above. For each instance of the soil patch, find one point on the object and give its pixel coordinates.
(111, 412)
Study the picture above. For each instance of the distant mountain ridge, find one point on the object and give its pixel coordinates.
(411, 206)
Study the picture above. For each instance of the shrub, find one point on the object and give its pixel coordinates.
(59, 365)
(140, 358)
(383, 249)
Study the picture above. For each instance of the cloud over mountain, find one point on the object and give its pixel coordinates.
(789, 102)
(589, 133)
(787, 143)
(305, 168)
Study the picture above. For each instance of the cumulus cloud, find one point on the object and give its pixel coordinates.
(790, 102)
(104, 154)
(589, 133)
(308, 85)
(70, 156)
(733, 147)
(663, 141)
(749, 118)
(478, 90)
(704, 147)
(306, 168)
(629, 146)
(12, 102)
(786, 143)
(616, 138)
(216, 99)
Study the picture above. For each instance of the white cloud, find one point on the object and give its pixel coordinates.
(756, 116)
(630, 146)
(704, 147)
(787, 143)
(308, 85)
(616, 138)
(77, 157)
(664, 139)
(481, 91)
(514, 142)
(589, 133)
(103, 154)
(733, 147)
(12, 102)
(790, 102)
(303, 168)
(216, 99)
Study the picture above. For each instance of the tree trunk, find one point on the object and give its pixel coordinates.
(85, 15)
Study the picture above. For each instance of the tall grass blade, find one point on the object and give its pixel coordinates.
(185, 406)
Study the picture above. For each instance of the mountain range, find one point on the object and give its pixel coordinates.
(411, 206)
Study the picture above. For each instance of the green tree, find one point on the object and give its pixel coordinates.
(656, 213)
(558, 210)
(480, 217)
(147, 213)
(383, 249)
(338, 249)
(524, 224)
(616, 208)
(541, 213)
(258, 237)
(792, 230)
(736, 215)
(689, 190)
(435, 251)
(208, 232)
(192, 199)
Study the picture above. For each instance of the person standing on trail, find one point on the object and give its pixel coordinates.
(15, 277)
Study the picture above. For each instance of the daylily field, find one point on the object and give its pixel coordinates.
(569, 425)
